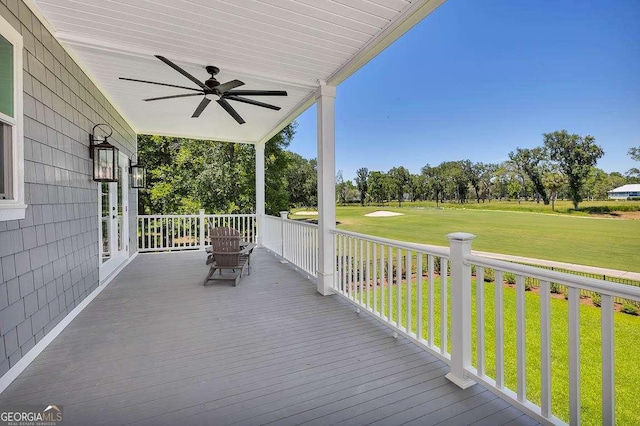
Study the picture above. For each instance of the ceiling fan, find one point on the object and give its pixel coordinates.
(211, 86)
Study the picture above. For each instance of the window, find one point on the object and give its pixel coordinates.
(12, 202)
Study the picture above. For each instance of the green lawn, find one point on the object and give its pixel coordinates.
(627, 340)
(603, 242)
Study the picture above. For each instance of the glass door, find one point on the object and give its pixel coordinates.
(114, 220)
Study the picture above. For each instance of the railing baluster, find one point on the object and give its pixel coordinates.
(574, 356)
(480, 319)
(608, 361)
(361, 275)
(545, 348)
(141, 240)
(369, 273)
(499, 320)
(350, 266)
(521, 340)
(408, 284)
(398, 287)
(390, 283)
(419, 295)
(382, 277)
(343, 271)
(374, 279)
(431, 312)
(444, 284)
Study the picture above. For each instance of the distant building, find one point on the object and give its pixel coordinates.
(625, 192)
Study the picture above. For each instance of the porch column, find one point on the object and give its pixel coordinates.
(260, 191)
(325, 99)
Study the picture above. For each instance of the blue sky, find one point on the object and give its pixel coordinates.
(476, 79)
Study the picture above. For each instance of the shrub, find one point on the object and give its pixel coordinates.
(509, 277)
(489, 275)
(556, 288)
(530, 283)
(631, 308)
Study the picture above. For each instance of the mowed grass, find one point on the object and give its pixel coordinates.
(627, 340)
(602, 242)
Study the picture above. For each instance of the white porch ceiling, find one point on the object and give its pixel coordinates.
(269, 44)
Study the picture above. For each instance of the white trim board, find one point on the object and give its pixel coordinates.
(30, 356)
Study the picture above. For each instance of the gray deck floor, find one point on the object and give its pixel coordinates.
(158, 348)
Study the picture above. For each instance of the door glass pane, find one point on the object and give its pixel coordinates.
(120, 208)
(6, 77)
(106, 223)
(3, 167)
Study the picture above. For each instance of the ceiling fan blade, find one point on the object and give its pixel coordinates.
(224, 104)
(181, 71)
(229, 85)
(173, 96)
(252, 102)
(258, 92)
(159, 84)
(201, 106)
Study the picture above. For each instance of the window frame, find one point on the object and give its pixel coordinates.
(15, 207)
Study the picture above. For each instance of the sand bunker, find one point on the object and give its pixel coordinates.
(383, 213)
(306, 213)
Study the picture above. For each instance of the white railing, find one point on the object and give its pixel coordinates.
(294, 241)
(404, 285)
(272, 234)
(407, 286)
(544, 280)
(189, 232)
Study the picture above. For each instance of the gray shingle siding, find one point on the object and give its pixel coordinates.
(49, 260)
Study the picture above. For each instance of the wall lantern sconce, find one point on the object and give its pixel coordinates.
(104, 155)
(138, 174)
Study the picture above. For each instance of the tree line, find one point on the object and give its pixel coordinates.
(563, 167)
(184, 175)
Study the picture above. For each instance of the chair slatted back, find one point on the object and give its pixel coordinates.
(225, 245)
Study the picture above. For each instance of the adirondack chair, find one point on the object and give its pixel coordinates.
(227, 254)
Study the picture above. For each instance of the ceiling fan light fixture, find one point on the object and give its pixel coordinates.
(212, 86)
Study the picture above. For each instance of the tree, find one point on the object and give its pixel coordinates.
(575, 155)
(341, 189)
(434, 181)
(418, 187)
(379, 186)
(455, 179)
(362, 176)
(553, 180)
(302, 181)
(634, 153)
(486, 181)
(399, 177)
(474, 174)
(184, 175)
(531, 162)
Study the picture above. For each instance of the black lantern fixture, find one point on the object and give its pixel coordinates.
(105, 157)
(138, 174)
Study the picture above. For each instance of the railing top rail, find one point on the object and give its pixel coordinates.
(231, 215)
(159, 216)
(155, 216)
(299, 222)
(434, 250)
(577, 281)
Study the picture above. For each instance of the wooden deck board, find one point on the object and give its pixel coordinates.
(156, 347)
